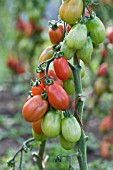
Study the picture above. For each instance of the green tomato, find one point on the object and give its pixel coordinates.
(51, 123)
(96, 30)
(77, 36)
(68, 86)
(70, 128)
(70, 74)
(66, 144)
(38, 137)
(86, 51)
(82, 68)
(68, 52)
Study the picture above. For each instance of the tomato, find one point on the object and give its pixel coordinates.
(40, 75)
(37, 90)
(82, 68)
(29, 97)
(100, 85)
(86, 51)
(68, 27)
(52, 75)
(66, 144)
(103, 52)
(70, 74)
(105, 150)
(77, 36)
(38, 137)
(61, 68)
(34, 109)
(28, 29)
(20, 24)
(51, 123)
(96, 30)
(68, 52)
(68, 86)
(71, 10)
(87, 12)
(19, 69)
(106, 125)
(57, 96)
(56, 34)
(36, 126)
(70, 129)
(109, 33)
(102, 70)
(46, 54)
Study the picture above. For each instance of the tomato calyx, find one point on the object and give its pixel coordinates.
(48, 81)
(58, 54)
(53, 24)
(44, 95)
(67, 113)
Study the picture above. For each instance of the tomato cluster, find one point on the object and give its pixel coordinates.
(47, 108)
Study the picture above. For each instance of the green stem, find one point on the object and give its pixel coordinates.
(82, 157)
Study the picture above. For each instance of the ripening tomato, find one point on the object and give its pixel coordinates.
(70, 129)
(57, 96)
(71, 10)
(46, 54)
(61, 68)
(77, 36)
(100, 85)
(36, 126)
(51, 123)
(28, 29)
(38, 137)
(106, 125)
(102, 70)
(68, 52)
(56, 34)
(103, 52)
(68, 86)
(29, 97)
(19, 69)
(96, 30)
(86, 51)
(34, 109)
(52, 75)
(68, 27)
(37, 90)
(66, 144)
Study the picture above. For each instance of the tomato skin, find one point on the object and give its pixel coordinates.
(71, 10)
(102, 70)
(36, 126)
(70, 128)
(37, 90)
(82, 68)
(29, 97)
(66, 144)
(106, 125)
(51, 123)
(61, 68)
(103, 52)
(46, 54)
(57, 96)
(86, 51)
(52, 75)
(96, 29)
(68, 86)
(105, 147)
(68, 27)
(38, 137)
(56, 35)
(34, 109)
(77, 36)
(68, 52)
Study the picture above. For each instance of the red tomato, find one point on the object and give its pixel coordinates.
(19, 69)
(102, 69)
(109, 33)
(34, 109)
(57, 96)
(29, 97)
(52, 75)
(37, 126)
(105, 147)
(103, 52)
(56, 34)
(61, 68)
(106, 124)
(20, 24)
(37, 90)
